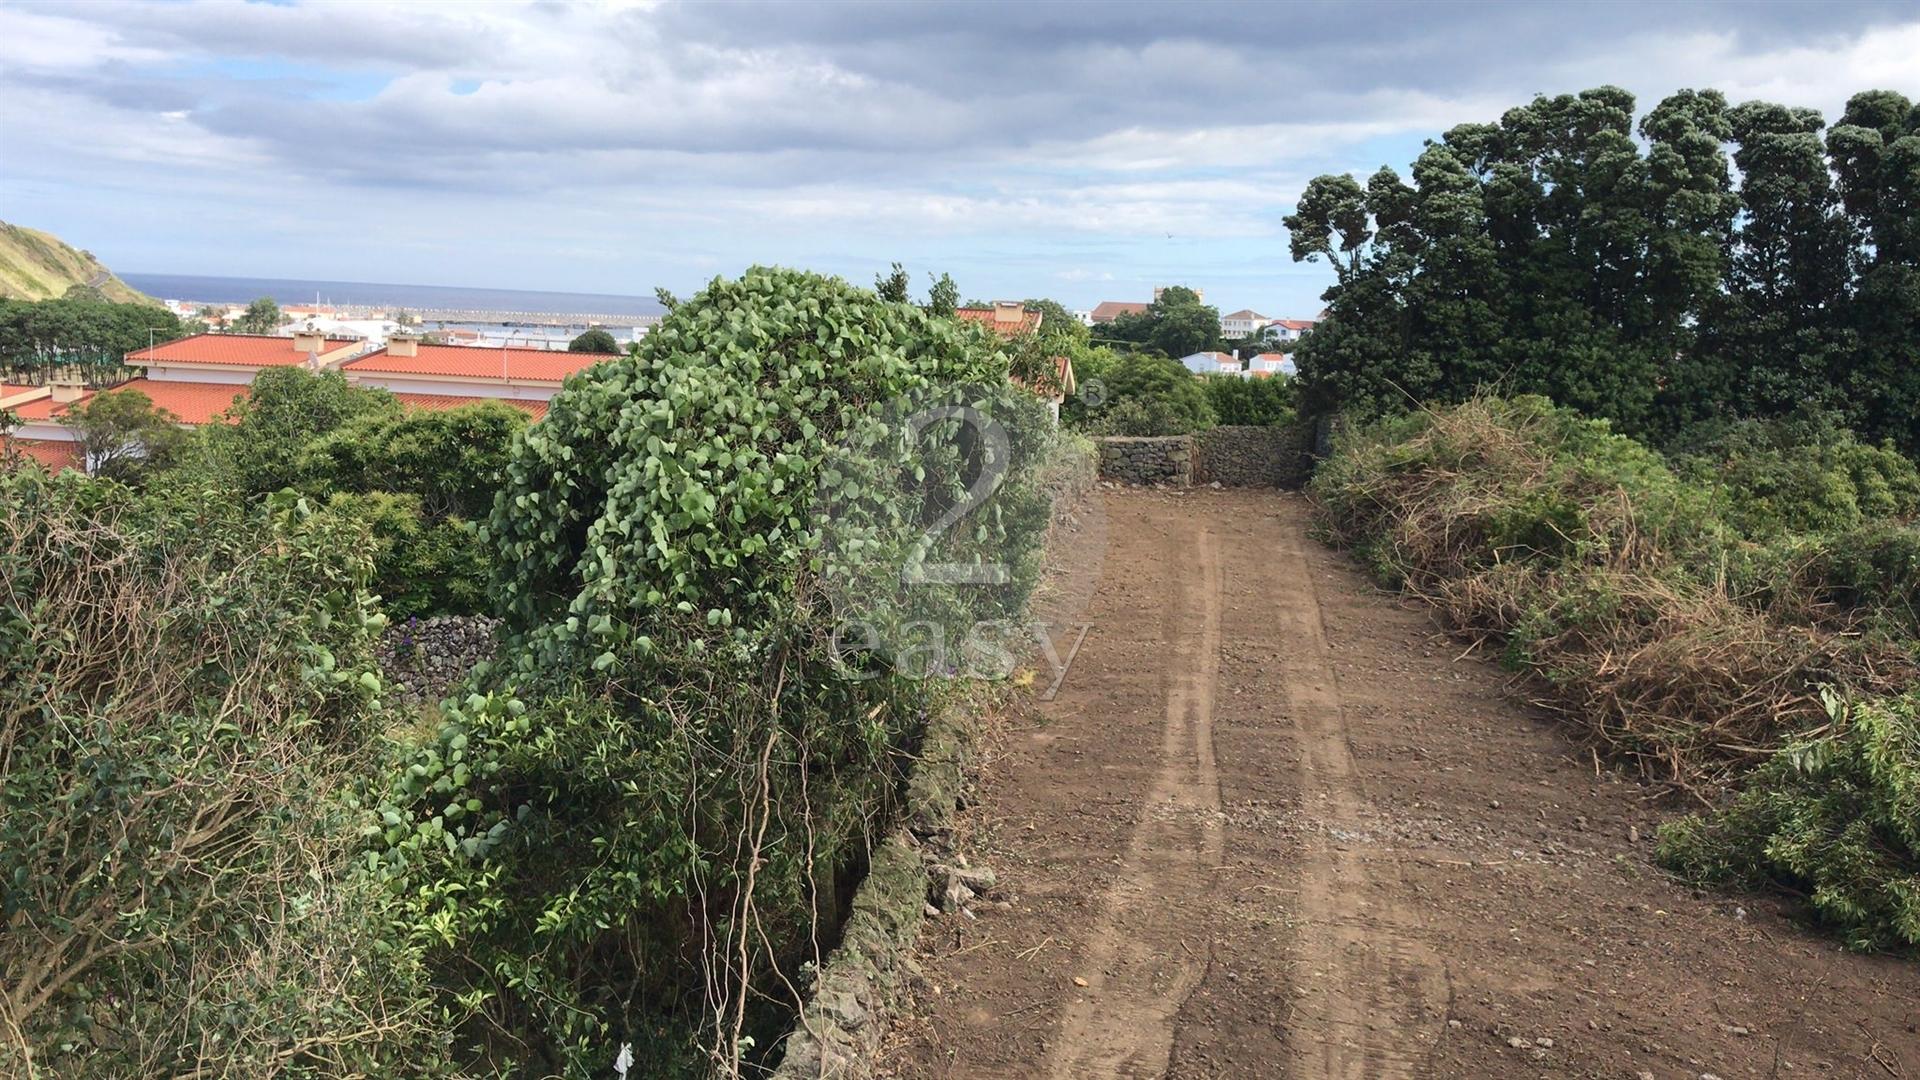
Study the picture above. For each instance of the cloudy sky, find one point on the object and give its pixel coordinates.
(1081, 151)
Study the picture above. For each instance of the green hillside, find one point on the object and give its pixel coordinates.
(39, 266)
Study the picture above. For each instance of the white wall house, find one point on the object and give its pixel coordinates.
(1211, 363)
(1242, 323)
(1271, 363)
(1286, 329)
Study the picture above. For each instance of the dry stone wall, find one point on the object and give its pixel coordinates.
(1245, 455)
(422, 659)
(1149, 459)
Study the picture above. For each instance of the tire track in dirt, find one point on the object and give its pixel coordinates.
(1141, 970)
(1275, 824)
(1373, 990)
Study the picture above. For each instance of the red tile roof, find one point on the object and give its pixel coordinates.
(54, 455)
(478, 362)
(234, 350)
(1108, 310)
(45, 408)
(535, 409)
(990, 318)
(191, 402)
(1293, 324)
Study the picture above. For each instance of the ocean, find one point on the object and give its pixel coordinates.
(237, 290)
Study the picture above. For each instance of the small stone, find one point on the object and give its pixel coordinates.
(1078, 981)
(1495, 804)
(1544, 1044)
(1518, 1043)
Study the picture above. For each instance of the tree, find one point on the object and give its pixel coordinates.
(88, 338)
(1146, 394)
(944, 297)
(121, 433)
(893, 287)
(287, 408)
(1181, 324)
(595, 340)
(1550, 252)
(261, 317)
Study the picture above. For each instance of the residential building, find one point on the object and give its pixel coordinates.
(1242, 323)
(1109, 310)
(1212, 363)
(1286, 329)
(1271, 363)
(196, 379)
(1007, 318)
(447, 376)
(199, 378)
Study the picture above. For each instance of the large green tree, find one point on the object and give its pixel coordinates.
(261, 317)
(90, 336)
(1634, 278)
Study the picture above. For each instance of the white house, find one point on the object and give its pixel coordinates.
(1242, 323)
(1271, 363)
(1211, 363)
(1286, 329)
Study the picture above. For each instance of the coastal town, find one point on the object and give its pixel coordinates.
(446, 359)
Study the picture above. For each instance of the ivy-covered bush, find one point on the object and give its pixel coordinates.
(186, 702)
(632, 831)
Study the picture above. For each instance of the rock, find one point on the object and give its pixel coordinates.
(955, 897)
(1078, 981)
(1519, 1043)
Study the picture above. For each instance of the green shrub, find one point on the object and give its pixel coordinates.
(186, 705)
(1260, 402)
(421, 566)
(1143, 394)
(1836, 818)
(633, 829)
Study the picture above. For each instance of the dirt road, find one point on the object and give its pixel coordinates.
(1274, 824)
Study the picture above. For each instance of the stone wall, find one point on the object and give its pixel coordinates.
(422, 659)
(1154, 459)
(1245, 455)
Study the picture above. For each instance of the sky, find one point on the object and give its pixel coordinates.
(1084, 152)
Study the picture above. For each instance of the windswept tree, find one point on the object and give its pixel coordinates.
(595, 340)
(261, 317)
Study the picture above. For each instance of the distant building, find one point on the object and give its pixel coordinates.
(1242, 323)
(199, 378)
(1109, 310)
(1211, 363)
(1271, 363)
(448, 376)
(1286, 329)
(1007, 318)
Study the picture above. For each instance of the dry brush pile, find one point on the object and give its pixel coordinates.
(1698, 619)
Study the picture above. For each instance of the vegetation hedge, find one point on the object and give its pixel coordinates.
(186, 703)
(1690, 614)
(629, 834)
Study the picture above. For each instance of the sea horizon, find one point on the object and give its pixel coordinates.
(215, 289)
